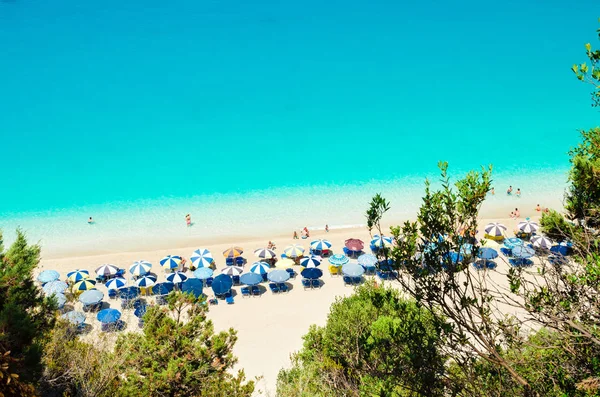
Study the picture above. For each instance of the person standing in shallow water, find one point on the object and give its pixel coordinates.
(90, 221)
(188, 220)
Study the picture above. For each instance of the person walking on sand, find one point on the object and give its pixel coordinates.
(538, 208)
(493, 192)
(188, 220)
(517, 213)
(295, 235)
(327, 228)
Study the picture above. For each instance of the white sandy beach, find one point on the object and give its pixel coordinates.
(269, 327)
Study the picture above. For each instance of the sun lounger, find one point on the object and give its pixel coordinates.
(264, 277)
(334, 270)
(112, 294)
(274, 288)
(229, 261)
(213, 301)
(347, 280)
(161, 300)
(209, 281)
(291, 272)
(236, 280)
(255, 290)
(229, 300)
(306, 283)
(283, 287)
(245, 291)
(315, 283)
(239, 261)
(356, 280)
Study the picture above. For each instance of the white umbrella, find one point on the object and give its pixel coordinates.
(265, 253)
(232, 271)
(107, 270)
(495, 229)
(541, 242)
(528, 226)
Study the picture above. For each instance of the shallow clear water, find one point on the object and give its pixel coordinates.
(274, 115)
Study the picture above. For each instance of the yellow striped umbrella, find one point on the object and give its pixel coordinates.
(284, 263)
(84, 285)
(294, 251)
(233, 252)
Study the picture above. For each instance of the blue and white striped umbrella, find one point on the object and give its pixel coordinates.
(320, 245)
(116, 283)
(177, 277)
(78, 275)
(528, 226)
(260, 268)
(140, 268)
(146, 281)
(278, 276)
(171, 261)
(367, 260)
(311, 261)
(495, 229)
(232, 271)
(203, 273)
(353, 270)
(107, 270)
(541, 242)
(265, 253)
(47, 276)
(55, 287)
(74, 317)
(338, 259)
(201, 258)
(381, 241)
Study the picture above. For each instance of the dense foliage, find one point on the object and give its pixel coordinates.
(25, 318)
(375, 344)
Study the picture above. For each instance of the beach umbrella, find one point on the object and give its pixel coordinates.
(84, 285)
(311, 261)
(561, 249)
(146, 281)
(354, 244)
(381, 241)
(116, 283)
(233, 252)
(265, 253)
(140, 311)
(495, 229)
(91, 297)
(129, 292)
(320, 245)
(285, 263)
(353, 270)
(107, 270)
(466, 249)
(108, 316)
(201, 258)
(61, 299)
(140, 268)
(367, 260)
(260, 268)
(203, 273)
(294, 251)
(74, 317)
(221, 284)
(487, 253)
(192, 285)
(78, 275)
(251, 278)
(312, 273)
(541, 242)
(339, 259)
(162, 288)
(278, 276)
(528, 226)
(233, 270)
(455, 257)
(47, 276)
(177, 277)
(55, 287)
(522, 252)
(170, 261)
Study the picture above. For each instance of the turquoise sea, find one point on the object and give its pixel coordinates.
(275, 114)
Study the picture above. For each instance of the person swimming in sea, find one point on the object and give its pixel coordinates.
(90, 221)
(509, 190)
(518, 192)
